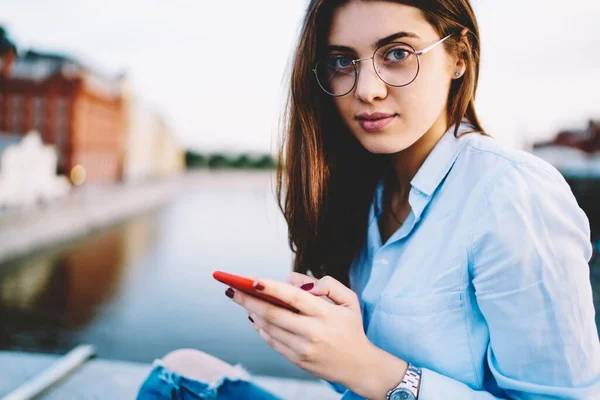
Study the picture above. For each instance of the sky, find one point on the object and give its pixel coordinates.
(540, 67)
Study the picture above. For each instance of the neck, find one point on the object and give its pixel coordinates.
(406, 163)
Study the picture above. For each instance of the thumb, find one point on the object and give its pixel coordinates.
(336, 291)
(298, 280)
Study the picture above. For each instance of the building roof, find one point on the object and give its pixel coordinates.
(39, 66)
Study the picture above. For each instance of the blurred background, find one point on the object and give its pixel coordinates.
(137, 143)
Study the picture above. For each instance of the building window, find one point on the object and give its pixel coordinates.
(17, 110)
(38, 113)
(62, 125)
(1, 112)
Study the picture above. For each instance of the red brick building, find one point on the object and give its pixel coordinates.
(74, 108)
(587, 140)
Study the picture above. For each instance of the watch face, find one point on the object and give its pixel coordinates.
(401, 394)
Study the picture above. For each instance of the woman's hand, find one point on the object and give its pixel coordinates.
(326, 338)
(299, 280)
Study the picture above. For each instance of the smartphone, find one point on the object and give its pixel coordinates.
(245, 285)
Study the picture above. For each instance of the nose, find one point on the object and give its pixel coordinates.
(368, 85)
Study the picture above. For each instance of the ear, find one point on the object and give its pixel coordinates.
(458, 63)
(459, 67)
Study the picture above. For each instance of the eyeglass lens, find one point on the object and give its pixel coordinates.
(396, 64)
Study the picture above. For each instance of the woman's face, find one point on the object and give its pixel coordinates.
(414, 109)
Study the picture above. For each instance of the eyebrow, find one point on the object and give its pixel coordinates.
(379, 43)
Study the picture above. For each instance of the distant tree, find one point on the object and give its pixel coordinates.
(219, 161)
(195, 160)
(223, 161)
(242, 162)
(6, 45)
(8, 52)
(265, 162)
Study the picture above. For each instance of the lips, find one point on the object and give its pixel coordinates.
(374, 121)
(374, 116)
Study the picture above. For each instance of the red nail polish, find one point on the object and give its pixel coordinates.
(229, 293)
(258, 286)
(250, 318)
(307, 286)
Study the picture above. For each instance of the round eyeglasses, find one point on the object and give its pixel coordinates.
(397, 64)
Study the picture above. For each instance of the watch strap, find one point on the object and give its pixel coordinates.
(410, 382)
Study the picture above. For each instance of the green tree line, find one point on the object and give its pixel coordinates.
(234, 161)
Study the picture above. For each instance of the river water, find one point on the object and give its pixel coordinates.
(144, 287)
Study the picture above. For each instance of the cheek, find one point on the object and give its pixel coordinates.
(424, 100)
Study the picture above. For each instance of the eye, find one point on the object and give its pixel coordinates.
(397, 54)
(341, 62)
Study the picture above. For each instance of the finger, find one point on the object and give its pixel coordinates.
(278, 346)
(306, 283)
(289, 339)
(273, 314)
(336, 291)
(300, 299)
(297, 279)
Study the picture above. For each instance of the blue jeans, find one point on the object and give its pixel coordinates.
(163, 383)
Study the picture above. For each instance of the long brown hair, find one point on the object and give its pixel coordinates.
(329, 177)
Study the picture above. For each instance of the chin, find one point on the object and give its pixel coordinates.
(383, 144)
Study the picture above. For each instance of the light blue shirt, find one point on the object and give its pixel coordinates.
(486, 285)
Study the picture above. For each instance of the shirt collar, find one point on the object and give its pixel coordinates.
(433, 171)
(441, 159)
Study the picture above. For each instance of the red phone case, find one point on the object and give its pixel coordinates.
(245, 285)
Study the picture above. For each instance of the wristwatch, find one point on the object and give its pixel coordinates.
(408, 389)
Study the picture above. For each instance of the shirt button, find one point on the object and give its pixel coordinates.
(384, 261)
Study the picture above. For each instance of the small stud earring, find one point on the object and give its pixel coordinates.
(457, 73)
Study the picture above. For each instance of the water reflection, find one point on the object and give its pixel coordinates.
(144, 287)
(53, 295)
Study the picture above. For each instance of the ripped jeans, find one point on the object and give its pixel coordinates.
(163, 383)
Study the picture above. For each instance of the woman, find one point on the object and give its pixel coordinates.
(444, 266)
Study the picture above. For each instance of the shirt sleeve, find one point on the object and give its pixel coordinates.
(528, 262)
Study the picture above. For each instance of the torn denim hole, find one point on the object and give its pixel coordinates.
(198, 388)
(238, 373)
(169, 377)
